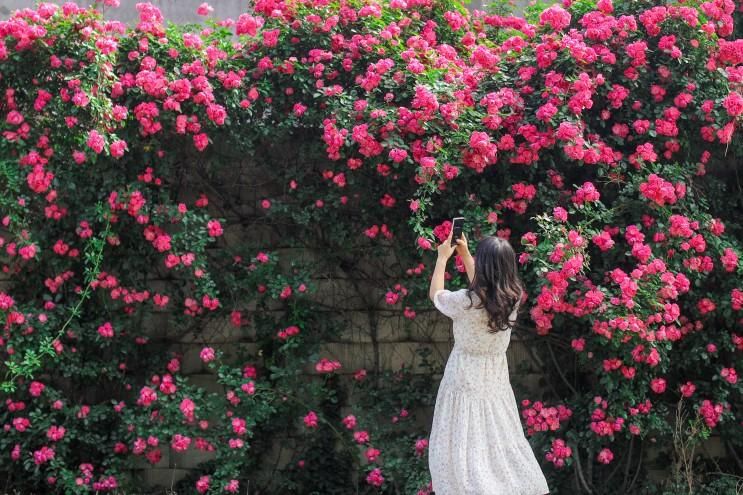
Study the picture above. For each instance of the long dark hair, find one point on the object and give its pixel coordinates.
(496, 281)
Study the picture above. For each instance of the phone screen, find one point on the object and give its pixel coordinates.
(457, 223)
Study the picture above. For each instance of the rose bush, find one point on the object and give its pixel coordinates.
(600, 137)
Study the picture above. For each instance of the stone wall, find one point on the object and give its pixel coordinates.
(392, 342)
(354, 350)
(178, 11)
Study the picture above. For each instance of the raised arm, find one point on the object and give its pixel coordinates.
(464, 252)
(445, 250)
(437, 279)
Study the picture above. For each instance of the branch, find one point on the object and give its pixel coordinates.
(579, 471)
(559, 371)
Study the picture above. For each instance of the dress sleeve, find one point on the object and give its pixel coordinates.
(448, 302)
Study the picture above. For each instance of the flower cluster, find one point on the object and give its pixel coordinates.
(538, 417)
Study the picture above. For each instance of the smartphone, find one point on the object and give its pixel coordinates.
(456, 225)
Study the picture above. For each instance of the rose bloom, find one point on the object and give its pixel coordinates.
(350, 421)
(310, 420)
(215, 228)
(207, 354)
(36, 388)
(729, 374)
(605, 456)
(204, 9)
(372, 454)
(560, 214)
(327, 366)
(658, 385)
(361, 436)
(202, 485)
(286, 292)
(180, 442)
(424, 243)
(375, 477)
(420, 446)
(687, 389)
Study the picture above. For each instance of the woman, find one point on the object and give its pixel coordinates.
(477, 445)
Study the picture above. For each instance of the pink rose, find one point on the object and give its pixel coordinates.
(207, 354)
(95, 141)
(310, 420)
(658, 385)
(605, 456)
(201, 141)
(327, 366)
(204, 9)
(375, 477)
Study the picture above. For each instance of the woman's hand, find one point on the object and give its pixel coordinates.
(462, 247)
(445, 249)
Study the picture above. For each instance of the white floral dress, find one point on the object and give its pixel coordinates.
(477, 444)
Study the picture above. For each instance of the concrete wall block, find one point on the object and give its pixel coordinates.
(155, 324)
(158, 285)
(305, 257)
(282, 451)
(191, 458)
(355, 350)
(246, 239)
(338, 293)
(271, 304)
(234, 351)
(141, 462)
(423, 417)
(163, 477)
(425, 327)
(206, 381)
(518, 355)
(713, 447)
(394, 328)
(352, 356)
(191, 362)
(432, 326)
(392, 355)
(527, 383)
(354, 325)
(395, 355)
(385, 257)
(219, 330)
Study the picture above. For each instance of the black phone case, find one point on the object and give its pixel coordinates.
(457, 227)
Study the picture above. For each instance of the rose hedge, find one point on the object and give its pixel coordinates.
(600, 137)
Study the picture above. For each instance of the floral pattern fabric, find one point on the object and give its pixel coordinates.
(477, 444)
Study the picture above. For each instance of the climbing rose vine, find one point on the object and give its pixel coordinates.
(600, 138)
